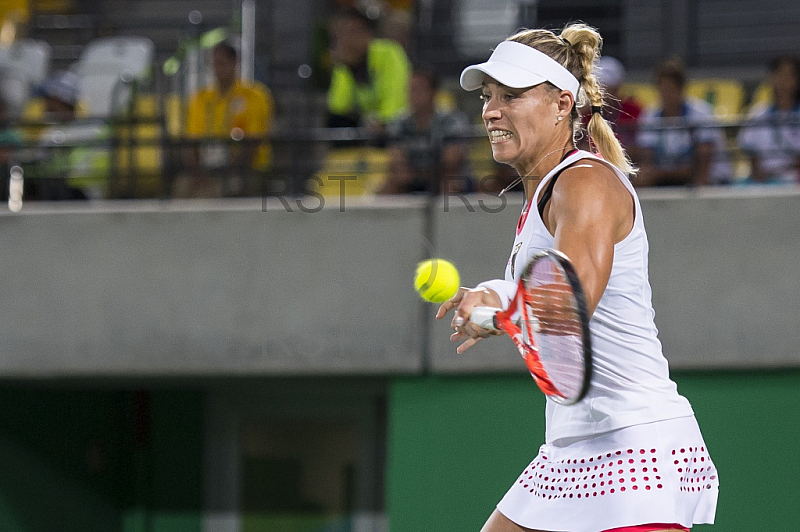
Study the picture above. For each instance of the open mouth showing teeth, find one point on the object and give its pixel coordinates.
(499, 135)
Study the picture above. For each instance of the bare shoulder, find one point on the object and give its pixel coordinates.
(591, 179)
(590, 190)
(592, 174)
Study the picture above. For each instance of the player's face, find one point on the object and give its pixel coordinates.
(520, 122)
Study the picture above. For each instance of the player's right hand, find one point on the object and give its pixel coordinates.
(463, 302)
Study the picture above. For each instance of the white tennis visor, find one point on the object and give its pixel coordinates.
(518, 66)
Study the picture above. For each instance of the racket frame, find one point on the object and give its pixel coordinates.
(503, 320)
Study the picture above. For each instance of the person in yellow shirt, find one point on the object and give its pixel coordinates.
(227, 123)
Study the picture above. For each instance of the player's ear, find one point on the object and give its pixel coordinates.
(565, 103)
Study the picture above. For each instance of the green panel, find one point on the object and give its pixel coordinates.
(61, 451)
(291, 523)
(141, 521)
(455, 446)
(167, 453)
(750, 423)
(457, 443)
(87, 460)
(176, 522)
(177, 451)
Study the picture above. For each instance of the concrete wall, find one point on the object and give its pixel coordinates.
(241, 287)
(149, 289)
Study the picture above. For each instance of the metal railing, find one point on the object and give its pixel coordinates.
(137, 165)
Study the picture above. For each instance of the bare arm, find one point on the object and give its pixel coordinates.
(756, 172)
(701, 163)
(590, 211)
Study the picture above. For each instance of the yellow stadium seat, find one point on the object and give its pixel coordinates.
(445, 101)
(644, 93)
(138, 158)
(174, 115)
(143, 155)
(726, 96)
(368, 165)
(146, 106)
(31, 113)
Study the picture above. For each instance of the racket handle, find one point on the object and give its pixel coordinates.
(485, 317)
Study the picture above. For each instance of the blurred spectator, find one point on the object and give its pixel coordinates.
(621, 114)
(502, 179)
(73, 157)
(369, 82)
(226, 120)
(691, 151)
(427, 148)
(396, 25)
(772, 140)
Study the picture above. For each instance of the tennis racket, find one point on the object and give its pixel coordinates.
(549, 323)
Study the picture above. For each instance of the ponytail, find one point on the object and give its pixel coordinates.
(585, 43)
(577, 49)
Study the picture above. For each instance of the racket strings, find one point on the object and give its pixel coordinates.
(551, 318)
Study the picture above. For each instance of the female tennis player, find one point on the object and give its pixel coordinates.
(629, 456)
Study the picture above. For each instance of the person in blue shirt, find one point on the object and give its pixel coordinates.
(772, 137)
(690, 150)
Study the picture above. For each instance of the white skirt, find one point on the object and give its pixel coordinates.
(658, 472)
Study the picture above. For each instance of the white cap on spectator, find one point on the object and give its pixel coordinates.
(609, 71)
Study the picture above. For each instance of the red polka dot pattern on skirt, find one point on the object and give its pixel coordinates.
(594, 476)
(694, 468)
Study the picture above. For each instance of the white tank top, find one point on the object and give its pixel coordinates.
(631, 383)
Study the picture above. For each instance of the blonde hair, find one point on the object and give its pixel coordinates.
(576, 49)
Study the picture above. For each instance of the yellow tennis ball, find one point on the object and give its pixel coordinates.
(437, 280)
